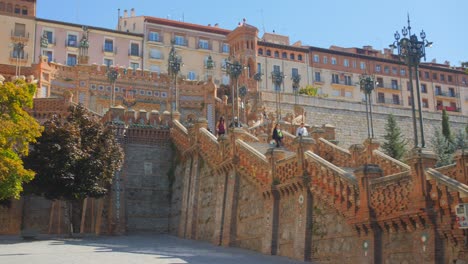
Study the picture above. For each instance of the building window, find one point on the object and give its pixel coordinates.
(394, 70)
(20, 30)
(451, 92)
(108, 62)
(294, 72)
(155, 54)
(449, 78)
(17, 10)
(381, 98)
(442, 78)
(402, 72)
(284, 55)
(134, 49)
(438, 90)
(24, 11)
(72, 40)
(134, 65)
(348, 94)
(153, 36)
(362, 65)
(260, 51)
(276, 54)
(354, 64)
(347, 80)
(299, 57)
(325, 60)
(426, 75)
(291, 56)
(396, 99)
(335, 78)
(316, 58)
(191, 76)
(49, 55)
(108, 45)
(179, 40)
(50, 36)
(203, 44)
(317, 77)
(434, 76)
(268, 52)
(387, 70)
(333, 61)
(410, 101)
(423, 88)
(346, 62)
(71, 59)
(377, 68)
(425, 103)
(226, 48)
(395, 84)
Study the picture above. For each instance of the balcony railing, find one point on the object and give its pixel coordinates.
(109, 49)
(342, 82)
(155, 39)
(389, 86)
(21, 56)
(180, 42)
(448, 108)
(134, 53)
(389, 101)
(446, 94)
(21, 35)
(71, 43)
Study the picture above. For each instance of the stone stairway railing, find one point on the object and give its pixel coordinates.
(388, 164)
(449, 170)
(180, 136)
(210, 147)
(254, 164)
(334, 154)
(287, 169)
(332, 184)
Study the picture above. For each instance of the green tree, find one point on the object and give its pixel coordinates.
(309, 90)
(394, 144)
(441, 147)
(446, 127)
(75, 158)
(17, 130)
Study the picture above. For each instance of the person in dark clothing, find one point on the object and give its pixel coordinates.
(221, 127)
(277, 135)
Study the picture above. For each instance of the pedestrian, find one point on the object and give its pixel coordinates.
(302, 131)
(220, 127)
(277, 135)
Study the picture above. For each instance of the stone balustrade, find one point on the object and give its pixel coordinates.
(334, 154)
(388, 164)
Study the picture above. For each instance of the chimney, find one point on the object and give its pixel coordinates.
(125, 13)
(216, 25)
(132, 12)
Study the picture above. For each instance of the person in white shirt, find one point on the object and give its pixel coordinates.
(302, 131)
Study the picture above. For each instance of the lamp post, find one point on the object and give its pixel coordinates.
(411, 50)
(18, 53)
(112, 75)
(277, 77)
(367, 84)
(173, 68)
(209, 65)
(296, 79)
(234, 69)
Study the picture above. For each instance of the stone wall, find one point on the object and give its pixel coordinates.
(250, 217)
(147, 191)
(206, 205)
(349, 118)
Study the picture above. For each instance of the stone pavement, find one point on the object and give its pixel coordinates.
(141, 249)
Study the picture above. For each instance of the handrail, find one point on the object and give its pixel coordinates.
(255, 152)
(392, 160)
(447, 181)
(180, 126)
(335, 146)
(209, 134)
(390, 178)
(342, 173)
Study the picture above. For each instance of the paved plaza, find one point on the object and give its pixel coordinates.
(141, 249)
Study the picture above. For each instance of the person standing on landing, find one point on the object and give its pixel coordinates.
(277, 135)
(220, 127)
(302, 131)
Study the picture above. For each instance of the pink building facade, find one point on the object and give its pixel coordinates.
(64, 45)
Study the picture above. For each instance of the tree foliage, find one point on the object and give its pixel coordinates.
(442, 148)
(394, 144)
(309, 90)
(446, 127)
(75, 157)
(17, 130)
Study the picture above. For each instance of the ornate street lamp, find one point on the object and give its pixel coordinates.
(234, 69)
(277, 78)
(367, 84)
(173, 68)
(112, 75)
(411, 50)
(209, 65)
(296, 79)
(242, 94)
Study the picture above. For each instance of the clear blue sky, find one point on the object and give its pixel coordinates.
(317, 23)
